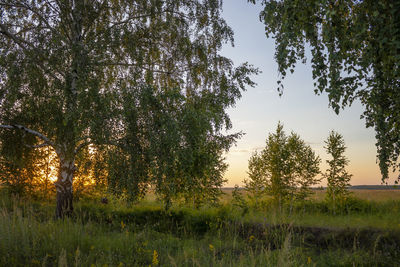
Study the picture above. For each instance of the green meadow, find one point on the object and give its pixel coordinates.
(364, 232)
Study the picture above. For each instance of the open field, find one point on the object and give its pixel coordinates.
(366, 233)
(365, 194)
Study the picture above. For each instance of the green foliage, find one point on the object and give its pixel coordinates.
(285, 169)
(238, 200)
(15, 172)
(354, 55)
(255, 184)
(336, 175)
(24, 171)
(173, 144)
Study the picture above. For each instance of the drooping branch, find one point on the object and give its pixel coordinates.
(24, 44)
(81, 146)
(38, 146)
(32, 9)
(46, 141)
(124, 64)
(21, 42)
(87, 142)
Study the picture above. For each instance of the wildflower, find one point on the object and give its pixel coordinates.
(35, 262)
(211, 247)
(309, 260)
(122, 225)
(251, 238)
(155, 258)
(120, 264)
(91, 247)
(77, 256)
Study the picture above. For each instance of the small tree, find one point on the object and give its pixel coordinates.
(257, 181)
(238, 200)
(286, 168)
(337, 176)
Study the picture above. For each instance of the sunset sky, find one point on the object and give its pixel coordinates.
(299, 109)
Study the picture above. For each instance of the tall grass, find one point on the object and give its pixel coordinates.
(145, 235)
(28, 241)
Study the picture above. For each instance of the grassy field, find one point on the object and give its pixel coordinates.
(366, 232)
(374, 195)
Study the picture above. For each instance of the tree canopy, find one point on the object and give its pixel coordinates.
(128, 75)
(355, 54)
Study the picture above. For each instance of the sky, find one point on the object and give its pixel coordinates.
(260, 109)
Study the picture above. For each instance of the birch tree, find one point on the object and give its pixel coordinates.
(337, 176)
(287, 167)
(256, 183)
(67, 66)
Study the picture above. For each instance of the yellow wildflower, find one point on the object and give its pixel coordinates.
(211, 247)
(309, 260)
(155, 258)
(251, 238)
(36, 262)
(122, 225)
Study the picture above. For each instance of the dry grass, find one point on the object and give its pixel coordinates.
(365, 194)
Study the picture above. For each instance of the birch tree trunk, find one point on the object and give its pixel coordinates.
(64, 187)
(67, 154)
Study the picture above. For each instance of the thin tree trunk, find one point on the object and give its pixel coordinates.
(291, 206)
(64, 188)
(334, 204)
